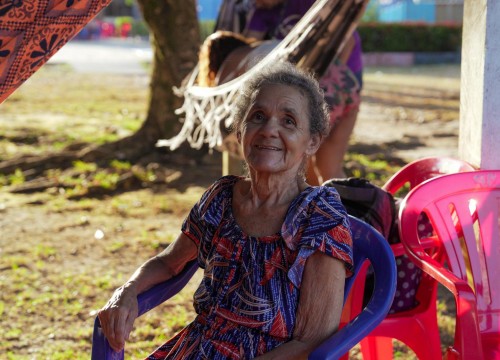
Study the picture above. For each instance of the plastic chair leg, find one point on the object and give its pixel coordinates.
(376, 347)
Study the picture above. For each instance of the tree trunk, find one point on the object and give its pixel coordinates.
(175, 39)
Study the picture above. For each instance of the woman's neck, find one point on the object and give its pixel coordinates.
(272, 190)
(260, 204)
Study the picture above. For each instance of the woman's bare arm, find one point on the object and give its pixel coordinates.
(118, 315)
(319, 309)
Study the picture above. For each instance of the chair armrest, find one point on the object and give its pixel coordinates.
(359, 327)
(465, 300)
(147, 301)
(347, 337)
(100, 346)
(426, 243)
(165, 290)
(368, 244)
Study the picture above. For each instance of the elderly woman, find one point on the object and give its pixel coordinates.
(274, 250)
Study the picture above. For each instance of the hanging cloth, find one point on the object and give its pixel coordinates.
(31, 31)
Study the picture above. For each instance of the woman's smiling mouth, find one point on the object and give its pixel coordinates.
(265, 147)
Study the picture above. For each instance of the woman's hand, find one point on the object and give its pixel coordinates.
(118, 315)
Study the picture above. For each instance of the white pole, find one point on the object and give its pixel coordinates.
(479, 135)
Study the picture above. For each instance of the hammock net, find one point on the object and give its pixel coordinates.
(312, 44)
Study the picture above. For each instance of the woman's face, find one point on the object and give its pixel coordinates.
(275, 134)
(267, 4)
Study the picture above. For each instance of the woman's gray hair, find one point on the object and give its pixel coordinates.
(285, 73)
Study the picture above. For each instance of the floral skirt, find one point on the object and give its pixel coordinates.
(342, 90)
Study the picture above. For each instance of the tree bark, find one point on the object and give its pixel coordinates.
(175, 39)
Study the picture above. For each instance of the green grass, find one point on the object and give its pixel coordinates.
(57, 107)
(55, 272)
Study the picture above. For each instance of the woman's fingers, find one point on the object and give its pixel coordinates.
(107, 321)
(117, 318)
(119, 329)
(129, 323)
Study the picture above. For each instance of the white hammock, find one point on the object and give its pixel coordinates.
(314, 41)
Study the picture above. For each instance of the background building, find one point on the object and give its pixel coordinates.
(431, 11)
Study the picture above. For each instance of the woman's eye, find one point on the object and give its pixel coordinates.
(290, 121)
(258, 116)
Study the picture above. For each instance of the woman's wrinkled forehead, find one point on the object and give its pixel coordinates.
(292, 99)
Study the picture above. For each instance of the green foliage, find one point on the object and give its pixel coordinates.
(14, 179)
(206, 28)
(84, 167)
(372, 167)
(401, 37)
(106, 179)
(139, 28)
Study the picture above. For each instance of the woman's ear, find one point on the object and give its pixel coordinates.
(238, 136)
(314, 144)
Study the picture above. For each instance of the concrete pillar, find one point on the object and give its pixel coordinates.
(479, 138)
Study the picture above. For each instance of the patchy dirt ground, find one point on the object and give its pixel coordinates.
(409, 114)
(60, 259)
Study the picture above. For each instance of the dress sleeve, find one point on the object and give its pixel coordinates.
(319, 223)
(204, 218)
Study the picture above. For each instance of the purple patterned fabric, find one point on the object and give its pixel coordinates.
(355, 61)
(248, 297)
(279, 21)
(409, 275)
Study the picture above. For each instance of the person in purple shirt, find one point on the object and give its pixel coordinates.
(273, 19)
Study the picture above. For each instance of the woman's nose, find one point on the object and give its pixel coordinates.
(270, 127)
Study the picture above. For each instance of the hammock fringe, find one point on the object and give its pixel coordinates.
(313, 43)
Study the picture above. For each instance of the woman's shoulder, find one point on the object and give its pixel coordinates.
(220, 190)
(325, 202)
(321, 195)
(317, 206)
(318, 213)
(223, 183)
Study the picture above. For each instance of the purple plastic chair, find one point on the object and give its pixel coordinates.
(368, 245)
(464, 211)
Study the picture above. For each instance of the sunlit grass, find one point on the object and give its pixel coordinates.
(102, 109)
(52, 287)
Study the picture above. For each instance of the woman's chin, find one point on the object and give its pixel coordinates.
(265, 167)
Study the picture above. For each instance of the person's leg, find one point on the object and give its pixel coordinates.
(329, 159)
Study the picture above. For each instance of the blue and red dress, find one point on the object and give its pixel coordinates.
(247, 300)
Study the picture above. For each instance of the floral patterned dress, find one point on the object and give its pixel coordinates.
(247, 300)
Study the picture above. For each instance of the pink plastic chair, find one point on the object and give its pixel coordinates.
(416, 327)
(464, 211)
(422, 169)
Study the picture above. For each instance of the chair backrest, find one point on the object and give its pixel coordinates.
(423, 169)
(401, 182)
(368, 245)
(464, 211)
